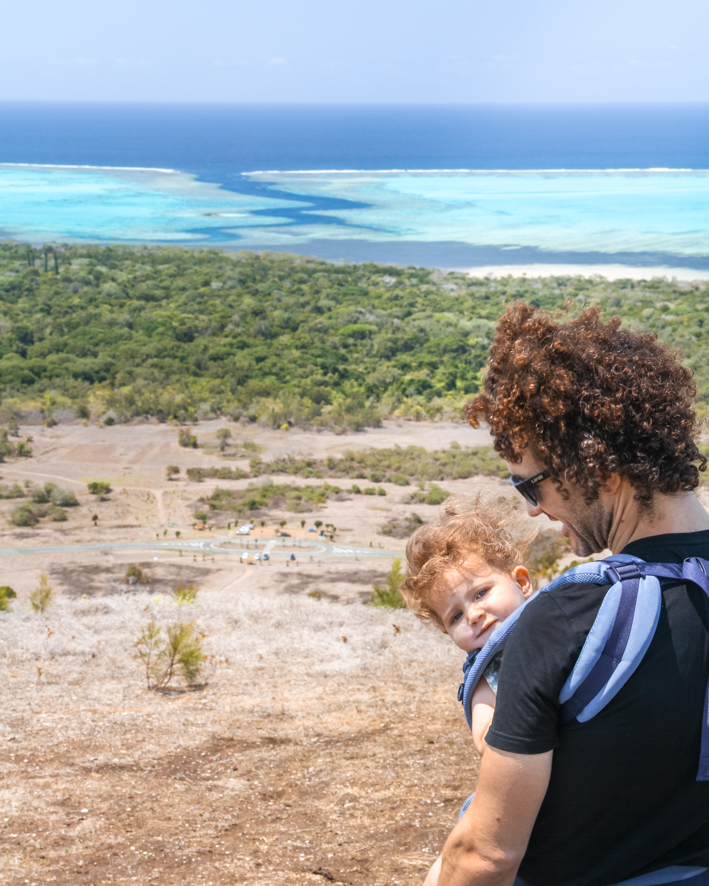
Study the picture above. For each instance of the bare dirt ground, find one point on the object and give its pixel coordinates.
(326, 744)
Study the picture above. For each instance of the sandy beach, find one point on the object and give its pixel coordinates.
(610, 272)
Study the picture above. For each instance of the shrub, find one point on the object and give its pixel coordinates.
(201, 516)
(389, 596)
(402, 528)
(6, 594)
(13, 491)
(171, 471)
(177, 651)
(369, 490)
(57, 514)
(399, 480)
(186, 594)
(547, 549)
(26, 514)
(189, 441)
(24, 450)
(381, 490)
(99, 487)
(41, 596)
(436, 495)
(63, 498)
(134, 575)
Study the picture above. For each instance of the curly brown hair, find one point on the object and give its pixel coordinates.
(465, 526)
(587, 397)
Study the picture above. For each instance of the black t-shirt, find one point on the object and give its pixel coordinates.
(623, 797)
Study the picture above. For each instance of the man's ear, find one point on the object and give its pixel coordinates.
(520, 574)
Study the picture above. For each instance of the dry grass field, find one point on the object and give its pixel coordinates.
(323, 743)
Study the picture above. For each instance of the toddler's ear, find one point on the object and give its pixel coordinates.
(521, 575)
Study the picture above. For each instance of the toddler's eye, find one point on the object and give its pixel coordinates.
(456, 617)
(480, 594)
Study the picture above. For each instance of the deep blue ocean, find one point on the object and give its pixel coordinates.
(490, 209)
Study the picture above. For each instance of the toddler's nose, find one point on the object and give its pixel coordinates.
(473, 615)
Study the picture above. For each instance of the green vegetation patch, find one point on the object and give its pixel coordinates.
(45, 501)
(271, 496)
(197, 475)
(398, 465)
(133, 332)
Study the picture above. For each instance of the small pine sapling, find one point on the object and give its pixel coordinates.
(186, 594)
(41, 596)
(177, 651)
(389, 596)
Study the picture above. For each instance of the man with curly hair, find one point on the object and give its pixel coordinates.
(597, 426)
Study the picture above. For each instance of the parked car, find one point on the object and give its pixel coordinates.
(292, 556)
(257, 556)
(265, 556)
(284, 534)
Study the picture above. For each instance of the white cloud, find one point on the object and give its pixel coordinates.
(277, 61)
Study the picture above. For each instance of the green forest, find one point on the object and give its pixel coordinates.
(119, 333)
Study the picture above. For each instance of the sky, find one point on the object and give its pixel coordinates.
(356, 50)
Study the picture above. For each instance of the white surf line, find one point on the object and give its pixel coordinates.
(659, 169)
(89, 166)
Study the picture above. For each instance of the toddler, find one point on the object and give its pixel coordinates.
(466, 574)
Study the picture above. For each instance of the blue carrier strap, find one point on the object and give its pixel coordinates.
(617, 641)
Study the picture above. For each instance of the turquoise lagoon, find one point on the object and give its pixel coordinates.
(554, 211)
(90, 205)
(664, 211)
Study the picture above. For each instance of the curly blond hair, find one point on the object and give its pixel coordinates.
(465, 526)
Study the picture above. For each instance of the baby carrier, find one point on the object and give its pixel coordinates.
(615, 646)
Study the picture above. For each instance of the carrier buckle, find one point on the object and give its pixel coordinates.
(625, 571)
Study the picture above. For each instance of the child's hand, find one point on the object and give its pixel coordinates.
(432, 875)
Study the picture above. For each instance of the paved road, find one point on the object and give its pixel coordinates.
(225, 545)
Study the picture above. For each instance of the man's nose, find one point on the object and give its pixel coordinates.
(534, 510)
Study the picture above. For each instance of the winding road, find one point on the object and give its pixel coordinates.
(223, 545)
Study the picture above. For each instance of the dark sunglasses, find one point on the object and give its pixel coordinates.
(527, 488)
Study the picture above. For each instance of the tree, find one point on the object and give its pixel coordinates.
(99, 487)
(171, 471)
(223, 435)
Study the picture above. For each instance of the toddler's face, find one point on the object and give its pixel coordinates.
(472, 600)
